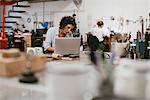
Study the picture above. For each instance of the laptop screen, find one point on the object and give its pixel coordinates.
(67, 46)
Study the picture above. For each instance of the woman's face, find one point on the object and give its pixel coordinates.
(67, 29)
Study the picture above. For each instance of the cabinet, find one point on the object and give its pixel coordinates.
(23, 41)
(27, 39)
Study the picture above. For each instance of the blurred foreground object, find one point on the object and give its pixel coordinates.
(130, 79)
(102, 64)
(13, 62)
(28, 76)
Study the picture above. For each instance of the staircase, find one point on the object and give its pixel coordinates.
(11, 20)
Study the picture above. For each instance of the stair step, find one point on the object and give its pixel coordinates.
(23, 6)
(13, 17)
(10, 22)
(17, 11)
(22, 0)
(6, 26)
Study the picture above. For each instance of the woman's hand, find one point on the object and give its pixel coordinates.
(51, 49)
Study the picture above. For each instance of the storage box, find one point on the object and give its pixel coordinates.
(15, 66)
(27, 38)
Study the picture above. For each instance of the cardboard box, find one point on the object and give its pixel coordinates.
(16, 66)
(27, 38)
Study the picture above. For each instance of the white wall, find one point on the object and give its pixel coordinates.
(128, 9)
(92, 10)
(56, 10)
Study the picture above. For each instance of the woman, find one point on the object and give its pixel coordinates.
(66, 27)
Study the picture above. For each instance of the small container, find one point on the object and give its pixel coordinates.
(148, 87)
(130, 80)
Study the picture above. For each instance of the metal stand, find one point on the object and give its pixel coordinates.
(28, 77)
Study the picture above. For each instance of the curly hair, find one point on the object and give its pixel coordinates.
(67, 20)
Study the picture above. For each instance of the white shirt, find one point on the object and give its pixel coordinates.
(51, 34)
(50, 37)
(98, 32)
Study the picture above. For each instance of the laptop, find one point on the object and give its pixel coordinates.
(67, 46)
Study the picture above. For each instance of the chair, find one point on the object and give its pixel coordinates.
(93, 42)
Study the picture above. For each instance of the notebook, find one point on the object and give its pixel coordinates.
(67, 46)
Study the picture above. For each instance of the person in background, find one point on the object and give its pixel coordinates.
(99, 34)
(66, 26)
